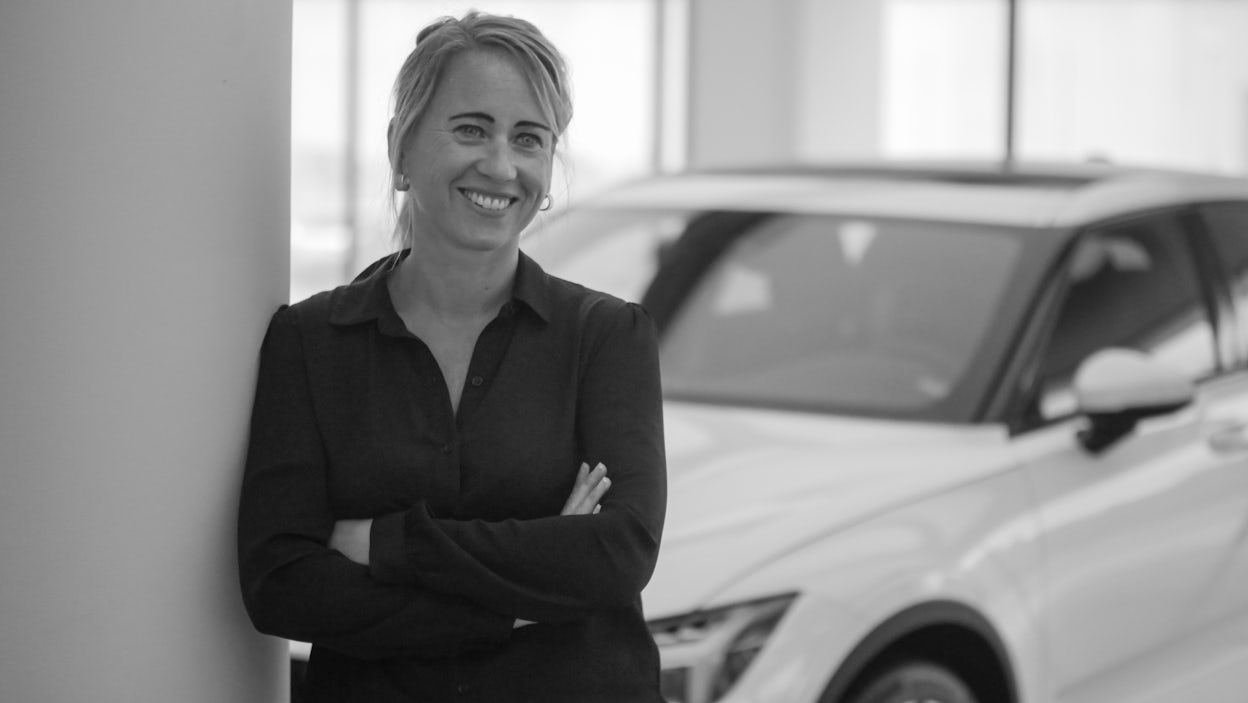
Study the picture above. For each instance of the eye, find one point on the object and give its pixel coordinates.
(529, 140)
(469, 131)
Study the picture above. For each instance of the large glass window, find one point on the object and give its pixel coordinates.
(1158, 82)
(944, 78)
(1153, 82)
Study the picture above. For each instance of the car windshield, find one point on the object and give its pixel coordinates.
(864, 316)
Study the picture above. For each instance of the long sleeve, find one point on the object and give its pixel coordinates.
(293, 585)
(560, 567)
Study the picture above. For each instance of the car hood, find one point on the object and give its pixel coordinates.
(748, 486)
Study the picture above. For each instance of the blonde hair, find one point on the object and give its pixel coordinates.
(447, 37)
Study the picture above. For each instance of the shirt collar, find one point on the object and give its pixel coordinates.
(367, 297)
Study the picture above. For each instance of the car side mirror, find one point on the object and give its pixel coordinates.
(1116, 388)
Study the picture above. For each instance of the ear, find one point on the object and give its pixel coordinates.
(394, 152)
(391, 134)
(550, 177)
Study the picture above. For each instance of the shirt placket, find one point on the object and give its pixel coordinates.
(487, 356)
(440, 438)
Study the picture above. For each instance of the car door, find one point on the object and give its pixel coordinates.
(1133, 537)
(1226, 226)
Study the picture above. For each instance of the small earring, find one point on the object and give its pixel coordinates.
(401, 183)
(546, 203)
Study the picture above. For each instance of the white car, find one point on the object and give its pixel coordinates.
(942, 435)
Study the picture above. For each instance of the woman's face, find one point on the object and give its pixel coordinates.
(479, 160)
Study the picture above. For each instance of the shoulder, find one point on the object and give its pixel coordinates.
(603, 322)
(312, 311)
(563, 302)
(309, 324)
(364, 299)
(594, 307)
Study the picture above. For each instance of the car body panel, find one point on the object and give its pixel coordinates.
(819, 475)
(1055, 197)
(815, 195)
(1141, 542)
(972, 545)
(1210, 666)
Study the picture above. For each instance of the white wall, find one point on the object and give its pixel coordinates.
(144, 206)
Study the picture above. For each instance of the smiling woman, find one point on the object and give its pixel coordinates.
(476, 165)
(427, 498)
(345, 56)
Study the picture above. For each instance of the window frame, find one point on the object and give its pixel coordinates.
(1233, 313)
(1020, 409)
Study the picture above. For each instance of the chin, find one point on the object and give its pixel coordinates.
(493, 241)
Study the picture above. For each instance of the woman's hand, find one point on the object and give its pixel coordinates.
(591, 485)
(351, 537)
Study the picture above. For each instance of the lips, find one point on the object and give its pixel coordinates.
(487, 201)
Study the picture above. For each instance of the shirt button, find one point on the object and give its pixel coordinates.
(447, 448)
(477, 381)
(462, 688)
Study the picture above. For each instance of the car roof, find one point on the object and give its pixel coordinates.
(1059, 196)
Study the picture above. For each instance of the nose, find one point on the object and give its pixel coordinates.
(497, 163)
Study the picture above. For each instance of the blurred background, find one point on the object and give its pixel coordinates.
(663, 85)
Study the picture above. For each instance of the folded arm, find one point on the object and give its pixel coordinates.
(560, 567)
(293, 584)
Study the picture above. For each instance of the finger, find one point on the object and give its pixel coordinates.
(595, 475)
(597, 509)
(586, 481)
(598, 484)
(587, 504)
(579, 490)
(587, 491)
(595, 496)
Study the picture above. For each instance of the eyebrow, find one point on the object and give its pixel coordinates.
(487, 118)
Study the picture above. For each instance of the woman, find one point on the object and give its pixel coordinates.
(419, 501)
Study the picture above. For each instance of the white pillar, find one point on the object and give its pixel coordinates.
(784, 81)
(144, 206)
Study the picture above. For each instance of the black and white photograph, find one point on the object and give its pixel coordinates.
(624, 351)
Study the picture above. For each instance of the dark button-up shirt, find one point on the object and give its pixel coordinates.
(352, 419)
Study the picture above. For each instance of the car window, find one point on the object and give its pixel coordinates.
(886, 317)
(616, 252)
(1131, 285)
(1227, 224)
(868, 316)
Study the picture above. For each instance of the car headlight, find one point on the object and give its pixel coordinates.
(705, 653)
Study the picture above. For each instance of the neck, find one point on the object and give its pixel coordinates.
(465, 286)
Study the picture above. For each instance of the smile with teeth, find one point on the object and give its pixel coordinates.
(487, 202)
